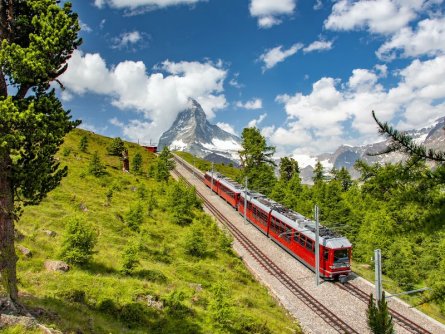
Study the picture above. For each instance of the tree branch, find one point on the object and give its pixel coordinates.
(400, 141)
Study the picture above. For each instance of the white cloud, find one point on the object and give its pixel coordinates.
(269, 12)
(377, 16)
(318, 5)
(226, 127)
(158, 97)
(132, 4)
(427, 39)
(271, 57)
(128, 40)
(332, 110)
(318, 46)
(102, 23)
(85, 27)
(251, 105)
(256, 122)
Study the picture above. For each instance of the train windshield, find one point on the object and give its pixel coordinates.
(341, 256)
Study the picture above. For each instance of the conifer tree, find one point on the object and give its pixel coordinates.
(136, 164)
(256, 160)
(96, 167)
(319, 175)
(83, 144)
(379, 319)
(37, 39)
(164, 165)
(288, 167)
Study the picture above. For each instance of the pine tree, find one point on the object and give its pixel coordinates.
(96, 167)
(137, 163)
(130, 257)
(117, 149)
(379, 319)
(343, 177)
(37, 39)
(83, 144)
(319, 175)
(78, 242)
(288, 167)
(257, 162)
(164, 165)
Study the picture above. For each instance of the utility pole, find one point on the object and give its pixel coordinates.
(212, 178)
(378, 274)
(245, 200)
(317, 247)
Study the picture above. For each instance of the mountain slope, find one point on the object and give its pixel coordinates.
(432, 136)
(191, 132)
(169, 292)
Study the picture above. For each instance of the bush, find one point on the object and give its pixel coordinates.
(133, 315)
(108, 306)
(66, 151)
(130, 258)
(135, 217)
(137, 163)
(78, 243)
(195, 243)
(96, 167)
(83, 144)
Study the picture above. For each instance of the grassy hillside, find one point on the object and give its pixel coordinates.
(169, 292)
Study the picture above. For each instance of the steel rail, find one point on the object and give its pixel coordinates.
(400, 319)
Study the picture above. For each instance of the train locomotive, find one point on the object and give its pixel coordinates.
(289, 229)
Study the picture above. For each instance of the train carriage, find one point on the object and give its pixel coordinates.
(289, 229)
(230, 191)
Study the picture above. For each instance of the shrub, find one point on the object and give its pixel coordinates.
(137, 163)
(195, 243)
(66, 151)
(78, 243)
(135, 217)
(220, 308)
(130, 258)
(83, 144)
(133, 315)
(109, 196)
(142, 192)
(96, 167)
(108, 306)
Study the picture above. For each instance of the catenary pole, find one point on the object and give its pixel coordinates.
(245, 200)
(317, 247)
(378, 274)
(212, 178)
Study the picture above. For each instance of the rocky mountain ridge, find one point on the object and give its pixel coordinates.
(345, 156)
(192, 132)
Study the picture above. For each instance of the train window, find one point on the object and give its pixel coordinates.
(309, 244)
(326, 254)
(296, 236)
(287, 234)
(341, 256)
(302, 240)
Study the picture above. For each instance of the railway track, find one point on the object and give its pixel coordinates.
(269, 266)
(299, 292)
(400, 319)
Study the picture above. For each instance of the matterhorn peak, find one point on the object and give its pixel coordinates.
(192, 132)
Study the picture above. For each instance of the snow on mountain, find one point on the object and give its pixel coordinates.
(191, 132)
(345, 156)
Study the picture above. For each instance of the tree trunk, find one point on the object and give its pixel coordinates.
(8, 258)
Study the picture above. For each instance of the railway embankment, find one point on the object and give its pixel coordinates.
(327, 308)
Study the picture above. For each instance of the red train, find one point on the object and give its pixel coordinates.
(289, 229)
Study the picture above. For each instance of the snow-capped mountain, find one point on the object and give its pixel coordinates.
(345, 156)
(191, 132)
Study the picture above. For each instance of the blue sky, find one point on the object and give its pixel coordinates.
(307, 73)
